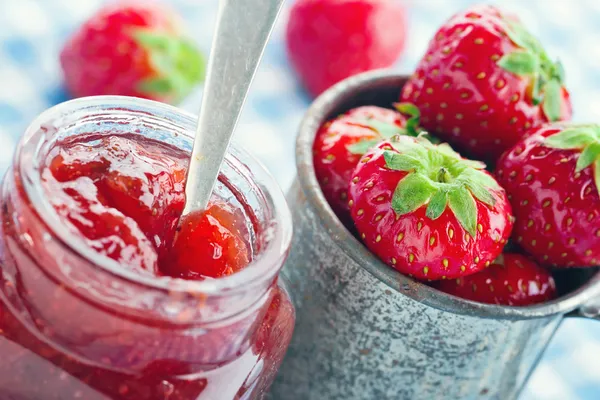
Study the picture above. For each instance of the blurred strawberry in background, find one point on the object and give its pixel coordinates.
(330, 40)
(132, 48)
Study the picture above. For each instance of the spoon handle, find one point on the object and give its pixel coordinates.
(242, 30)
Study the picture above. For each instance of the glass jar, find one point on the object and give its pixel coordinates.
(76, 325)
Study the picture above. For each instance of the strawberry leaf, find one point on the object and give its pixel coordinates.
(177, 64)
(412, 124)
(362, 147)
(417, 147)
(481, 193)
(522, 37)
(576, 137)
(552, 100)
(430, 138)
(408, 109)
(474, 164)
(437, 204)
(480, 183)
(559, 71)
(412, 192)
(580, 137)
(445, 148)
(151, 40)
(520, 63)
(438, 176)
(388, 130)
(463, 206)
(157, 85)
(535, 89)
(547, 76)
(480, 177)
(588, 156)
(401, 162)
(597, 175)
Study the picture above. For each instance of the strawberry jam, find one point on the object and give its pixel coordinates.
(126, 199)
(107, 293)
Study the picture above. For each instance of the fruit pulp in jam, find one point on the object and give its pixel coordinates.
(124, 196)
(126, 199)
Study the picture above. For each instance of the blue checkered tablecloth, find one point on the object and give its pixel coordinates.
(32, 32)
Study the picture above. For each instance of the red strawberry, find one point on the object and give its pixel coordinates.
(484, 81)
(132, 49)
(330, 40)
(553, 179)
(426, 211)
(341, 142)
(511, 280)
(209, 244)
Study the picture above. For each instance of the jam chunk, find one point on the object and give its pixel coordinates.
(208, 244)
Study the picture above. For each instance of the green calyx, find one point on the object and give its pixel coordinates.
(177, 63)
(547, 77)
(585, 138)
(439, 178)
(388, 131)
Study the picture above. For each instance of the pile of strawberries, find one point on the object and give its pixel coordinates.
(487, 88)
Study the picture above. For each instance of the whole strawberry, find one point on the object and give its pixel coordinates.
(552, 178)
(330, 40)
(426, 211)
(484, 81)
(132, 48)
(511, 280)
(341, 142)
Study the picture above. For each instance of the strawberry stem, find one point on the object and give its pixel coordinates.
(443, 176)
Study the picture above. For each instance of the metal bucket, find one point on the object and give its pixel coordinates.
(365, 331)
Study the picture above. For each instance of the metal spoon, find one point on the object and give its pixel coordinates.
(243, 28)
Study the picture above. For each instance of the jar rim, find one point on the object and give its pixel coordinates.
(262, 268)
(340, 96)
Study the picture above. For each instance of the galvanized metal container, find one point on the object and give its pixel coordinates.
(365, 331)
